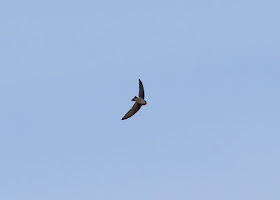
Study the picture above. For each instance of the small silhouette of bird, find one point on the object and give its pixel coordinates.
(139, 101)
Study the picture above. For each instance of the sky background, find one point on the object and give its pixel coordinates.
(210, 130)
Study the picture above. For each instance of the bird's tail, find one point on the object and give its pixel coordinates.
(134, 98)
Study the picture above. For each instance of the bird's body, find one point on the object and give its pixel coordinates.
(139, 101)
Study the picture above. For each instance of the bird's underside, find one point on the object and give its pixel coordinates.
(138, 102)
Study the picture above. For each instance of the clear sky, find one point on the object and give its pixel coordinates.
(210, 130)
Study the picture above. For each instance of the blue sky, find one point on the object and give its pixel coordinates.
(210, 70)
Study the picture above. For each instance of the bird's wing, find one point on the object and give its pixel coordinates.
(132, 111)
(141, 89)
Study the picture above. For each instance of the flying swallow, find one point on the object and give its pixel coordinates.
(139, 101)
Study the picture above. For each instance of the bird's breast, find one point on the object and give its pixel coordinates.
(141, 101)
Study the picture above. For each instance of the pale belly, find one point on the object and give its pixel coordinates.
(141, 101)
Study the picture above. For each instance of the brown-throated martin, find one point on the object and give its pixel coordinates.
(139, 101)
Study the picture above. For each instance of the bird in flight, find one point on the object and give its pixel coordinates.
(139, 101)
